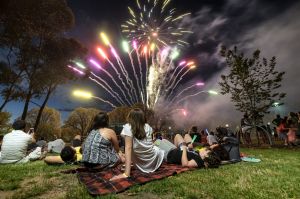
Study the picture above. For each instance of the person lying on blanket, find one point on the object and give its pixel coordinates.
(180, 153)
(139, 147)
(217, 148)
(68, 155)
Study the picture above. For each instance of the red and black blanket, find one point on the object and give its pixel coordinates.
(97, 182)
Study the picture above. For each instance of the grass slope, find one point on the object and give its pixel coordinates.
(277, 176)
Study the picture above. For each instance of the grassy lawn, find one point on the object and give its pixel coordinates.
(277, 176)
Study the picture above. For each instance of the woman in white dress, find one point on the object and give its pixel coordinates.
(139, 148)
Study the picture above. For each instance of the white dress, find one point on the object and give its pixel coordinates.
(145, 156)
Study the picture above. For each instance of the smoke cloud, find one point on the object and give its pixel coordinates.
(249, 28)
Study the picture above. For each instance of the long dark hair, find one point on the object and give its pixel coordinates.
(136, 119)
(101, 120)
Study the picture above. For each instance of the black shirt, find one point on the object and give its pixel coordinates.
(174, 157)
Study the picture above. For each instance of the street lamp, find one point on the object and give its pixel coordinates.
(88, 95)
(82, 94)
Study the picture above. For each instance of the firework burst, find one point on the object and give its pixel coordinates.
(153, 23)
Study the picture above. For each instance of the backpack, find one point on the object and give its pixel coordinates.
(232, 146)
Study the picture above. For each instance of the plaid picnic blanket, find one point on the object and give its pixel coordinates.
(97, 182)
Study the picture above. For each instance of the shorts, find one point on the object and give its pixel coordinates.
(282, 135)
(165, 145)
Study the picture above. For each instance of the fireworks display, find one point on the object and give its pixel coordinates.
(147, 70)
(154, 23)
(147, 77)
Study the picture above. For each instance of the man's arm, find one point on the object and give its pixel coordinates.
(33, 140)
(184, 160)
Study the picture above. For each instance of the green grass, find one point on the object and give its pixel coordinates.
(277, 176)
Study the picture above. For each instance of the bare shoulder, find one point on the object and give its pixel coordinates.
(108, 132)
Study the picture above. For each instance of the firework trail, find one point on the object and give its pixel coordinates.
(125, 73)
(135, 75)
(186, 89)
(82, 73)
(174, 82)
(105, 101)
(189, 96)
(108, 88)
(143, 92)
(101, 52)
(108, 74)
(177, 82)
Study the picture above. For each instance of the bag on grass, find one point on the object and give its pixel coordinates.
(232, 146)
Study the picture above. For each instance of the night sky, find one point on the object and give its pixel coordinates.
(270, 25)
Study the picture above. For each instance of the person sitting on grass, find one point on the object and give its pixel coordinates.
(1, 139)
(139, 147)
(101, 147)
(68, 155)
(181, 153)
(15, 144)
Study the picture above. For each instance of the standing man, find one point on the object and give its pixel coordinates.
(15, 143)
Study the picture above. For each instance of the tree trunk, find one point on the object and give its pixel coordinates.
(3, 104)
(25, 110)
(38, 118)
(10, 91)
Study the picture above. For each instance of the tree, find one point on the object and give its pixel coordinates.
(50, 123)
(32, 33)
(58, 54)
(80, 120)
(68, 133)
(118, 115)
(4, 122)
(251, 82)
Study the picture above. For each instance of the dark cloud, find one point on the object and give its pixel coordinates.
(273, 28)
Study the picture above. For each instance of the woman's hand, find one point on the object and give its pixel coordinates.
(120, 176)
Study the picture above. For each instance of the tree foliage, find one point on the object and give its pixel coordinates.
(80, 120)
(251, 82)
(50, 123)
(32, 36)
(119, 115)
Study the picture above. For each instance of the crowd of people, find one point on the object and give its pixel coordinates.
(100, 149)
(285, 129)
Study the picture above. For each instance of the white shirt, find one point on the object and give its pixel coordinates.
(56, 146)
(145, 156)
(14, 146)
(211, 139)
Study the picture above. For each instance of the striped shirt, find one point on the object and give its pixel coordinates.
(14, 146)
